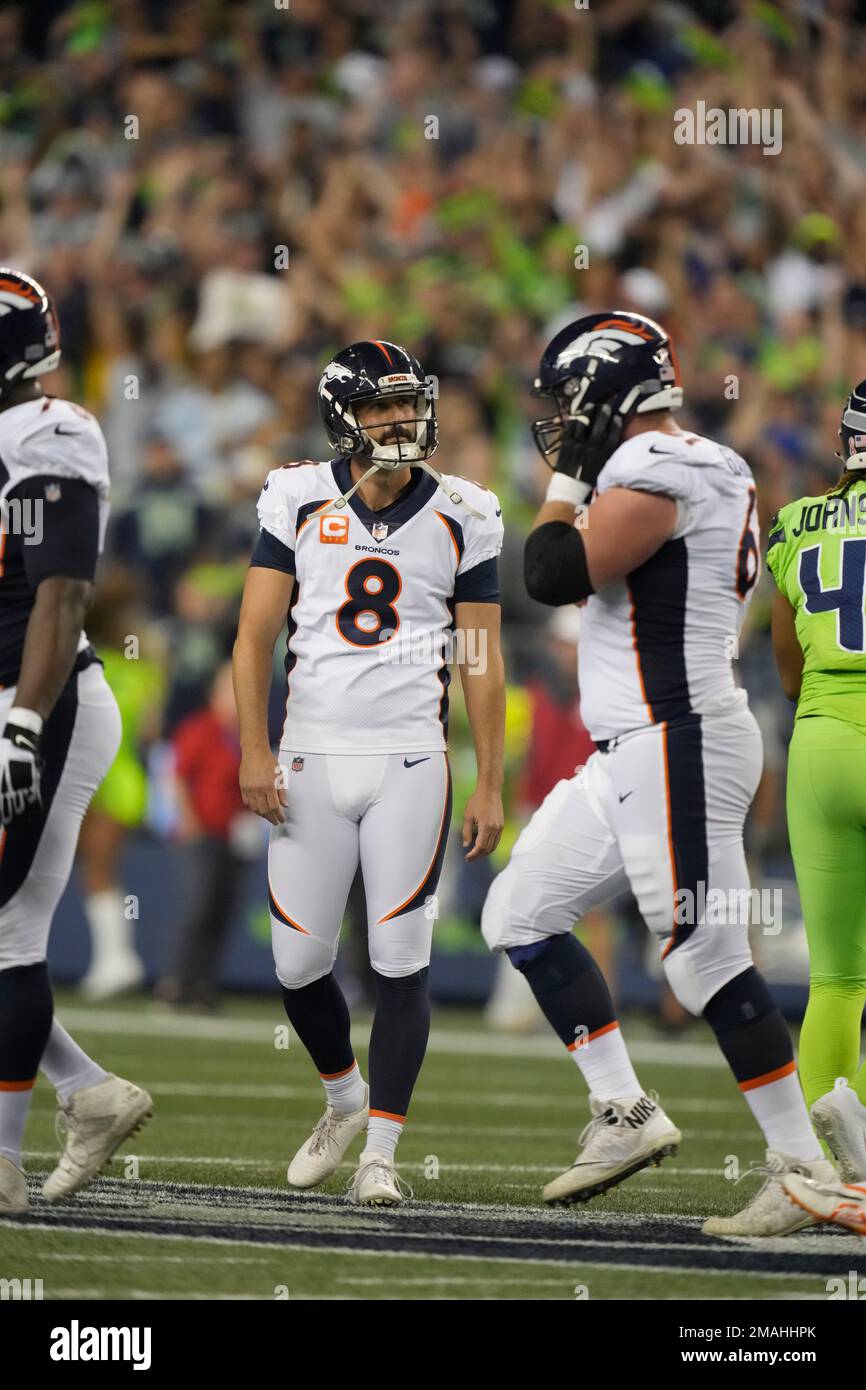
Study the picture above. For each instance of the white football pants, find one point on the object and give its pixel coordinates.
(390, 813)
(660, 812)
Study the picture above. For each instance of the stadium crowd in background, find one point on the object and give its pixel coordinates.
(220, 195)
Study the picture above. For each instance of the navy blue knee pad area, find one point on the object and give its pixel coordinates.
(749, 1027)
(26, 1011)
(570, 989)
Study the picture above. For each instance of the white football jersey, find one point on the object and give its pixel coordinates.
(372, 611)
(659, 643)
(43, 438)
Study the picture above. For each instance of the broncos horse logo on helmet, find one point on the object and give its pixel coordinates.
(29, 330)
(371, 371)
(616, 359)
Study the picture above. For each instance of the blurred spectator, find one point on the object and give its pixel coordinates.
(211, 821)
(123, 634)
(164, 524)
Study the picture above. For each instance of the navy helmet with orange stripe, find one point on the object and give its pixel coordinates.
(614, 358)
(29, 331)
(370, 371)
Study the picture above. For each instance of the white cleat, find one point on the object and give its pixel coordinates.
(839, 1119)
(375, 1183)
(13, 1189)
(623, 1136)
(770, 1213)
(842, 1203)
(97, 1119)
(322, 1153)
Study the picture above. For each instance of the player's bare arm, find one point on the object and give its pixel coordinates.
(786, 647)
(623, 528)
(53, 631)
(484, 690)
(564, 562)
(266, 600)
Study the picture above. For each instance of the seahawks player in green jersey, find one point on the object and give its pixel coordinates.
(817, 555)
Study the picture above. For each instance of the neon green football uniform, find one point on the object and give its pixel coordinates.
(817, 555)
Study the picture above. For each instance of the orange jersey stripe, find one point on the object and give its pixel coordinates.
(769, 1077)
(310, 516)
(637, 656)
(446, 523)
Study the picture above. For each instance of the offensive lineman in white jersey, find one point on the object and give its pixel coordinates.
(61, 730)
(376, 559)
(665, 559)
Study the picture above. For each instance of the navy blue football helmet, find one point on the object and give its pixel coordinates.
(373, 371)
(852, 430)
(29, 330)
(616, 358)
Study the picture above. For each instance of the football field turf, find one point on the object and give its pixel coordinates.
(196, 1205)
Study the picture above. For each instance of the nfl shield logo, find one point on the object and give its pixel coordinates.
(380, 531)
(297, 764)
(52, 492)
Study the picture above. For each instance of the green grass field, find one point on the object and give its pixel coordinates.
(196, 1206)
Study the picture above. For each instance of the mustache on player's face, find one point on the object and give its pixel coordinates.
(393, 432)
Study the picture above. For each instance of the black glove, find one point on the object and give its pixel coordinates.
(587, 446)
(20, 772)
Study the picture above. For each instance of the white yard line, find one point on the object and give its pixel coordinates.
(675, 1053)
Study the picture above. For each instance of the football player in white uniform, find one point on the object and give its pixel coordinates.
(376, 560)
(665, 559)
(61, 730)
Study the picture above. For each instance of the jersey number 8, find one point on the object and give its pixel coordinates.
(368, 618)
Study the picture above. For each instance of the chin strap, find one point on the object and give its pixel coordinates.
(459, 501)
(343, 501)
(454, 497)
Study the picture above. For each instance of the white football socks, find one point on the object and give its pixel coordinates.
(13, 1117)
(605, 1064)
(345, 1090)
(780, 1110)
(67, 1066)
(382, 1137)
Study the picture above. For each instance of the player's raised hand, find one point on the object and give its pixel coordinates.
(262, 785)
(483, 822)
